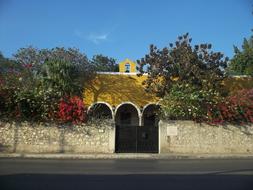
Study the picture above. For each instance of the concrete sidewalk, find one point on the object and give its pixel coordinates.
(126, 156)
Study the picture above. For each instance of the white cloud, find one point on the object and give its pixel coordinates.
(95, 38)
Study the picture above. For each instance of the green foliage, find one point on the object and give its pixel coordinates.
(181, 63)
(188, 78)
(185, 101)
(62, 76)
(104, 63)
(242, 62)
(34, 82)
(35, 59)
(27, 105)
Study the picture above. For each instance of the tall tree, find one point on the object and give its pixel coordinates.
(104, 63)
(242, 62)
(35, 58)
(181, 63)
(39, 62)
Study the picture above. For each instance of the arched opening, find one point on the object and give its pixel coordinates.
(150, 115)
(148, 135)
(127, 122)
(127, 114)
(100, 111)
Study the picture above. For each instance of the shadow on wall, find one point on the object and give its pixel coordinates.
(115, 89)
(1, 148)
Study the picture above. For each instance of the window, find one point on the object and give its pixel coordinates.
(127, 67)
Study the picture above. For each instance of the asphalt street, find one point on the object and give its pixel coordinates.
(18, 173)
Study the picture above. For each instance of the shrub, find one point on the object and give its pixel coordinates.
(72, 109)
(236, 108)
(186, 101)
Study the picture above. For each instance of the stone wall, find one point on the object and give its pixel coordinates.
(190, 137)
(99, 137)
(95, 137)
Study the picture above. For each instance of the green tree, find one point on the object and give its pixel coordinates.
(104, 63)
(242, 62)
(180, 63)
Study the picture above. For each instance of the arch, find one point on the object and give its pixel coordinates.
(150, 104)
(127, 120)
(152, 108)
(150, 126)
(104, 109)
(130, 135)
(129, 104)
(137, 108)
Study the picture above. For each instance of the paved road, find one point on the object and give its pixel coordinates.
(126, 174)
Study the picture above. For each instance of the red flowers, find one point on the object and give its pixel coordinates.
(72, 109)
(28, 65)
(237, 108)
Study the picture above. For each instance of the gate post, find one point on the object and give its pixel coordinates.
(112, 136)
(162, 137)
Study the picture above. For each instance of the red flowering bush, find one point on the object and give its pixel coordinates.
(236, 108)
(72, 109)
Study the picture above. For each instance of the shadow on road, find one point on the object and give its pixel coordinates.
(125, 182)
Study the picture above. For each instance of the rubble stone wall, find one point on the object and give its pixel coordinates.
(191, 137)
(97, 137)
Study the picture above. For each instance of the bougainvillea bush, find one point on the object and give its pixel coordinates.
(237, 108)
(186, 102)
(72, 109)
(33, 83)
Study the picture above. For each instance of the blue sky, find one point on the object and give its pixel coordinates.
(122, 28)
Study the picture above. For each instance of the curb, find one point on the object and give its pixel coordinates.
(127, 156)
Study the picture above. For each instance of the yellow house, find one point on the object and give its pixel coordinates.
(121, 97)
(116, 90)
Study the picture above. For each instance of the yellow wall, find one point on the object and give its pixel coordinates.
(123, 63)
(233, 84)
(116, 89)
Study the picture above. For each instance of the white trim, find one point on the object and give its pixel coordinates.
(101, 102)
(120, 73)
(240, 76)
(121, 104)
(135, 73)
(136, 107)
(159, 137)
(149, 104)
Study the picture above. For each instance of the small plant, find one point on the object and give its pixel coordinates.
(72, 109)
